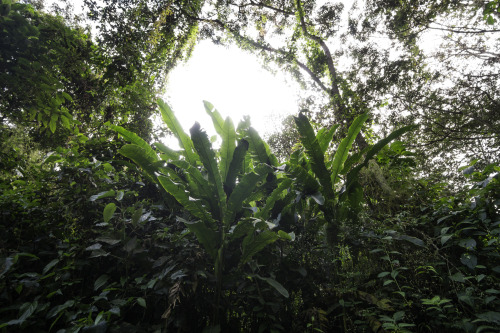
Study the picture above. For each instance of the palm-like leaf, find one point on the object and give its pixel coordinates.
(353, 174)
(243, 190)
(345, 145)
(227, 148)
(217, 119)
(207, 156)
(136, 140)
(176, 128)
(315, 153)
(141, 157)
(236, 165)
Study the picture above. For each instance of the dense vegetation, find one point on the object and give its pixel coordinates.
(356, 217)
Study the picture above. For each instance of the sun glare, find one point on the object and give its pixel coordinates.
(235, 83)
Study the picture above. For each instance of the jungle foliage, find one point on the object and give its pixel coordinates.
(333, 225)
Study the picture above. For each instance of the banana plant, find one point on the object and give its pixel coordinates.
(333, 182)
(229, 193)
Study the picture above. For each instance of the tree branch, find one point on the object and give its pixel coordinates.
(335, 91)
(260, 46)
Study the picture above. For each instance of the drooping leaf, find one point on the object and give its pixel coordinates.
(30, 309)
(195, 174)
(65, 121)
(243, 228)
(206, 236)
(49, 266)
(105, 194)
(255, 242)
(353, 174)
(136, 140)
(142, 302)
(352, 160)
(53, 122)
(345, 145)
(176, 128)
(140, 157)
(275, 284)
(57, 309)
(108, 212)
(101, 281)
(167, 153)
(194, 206)
(318, 197)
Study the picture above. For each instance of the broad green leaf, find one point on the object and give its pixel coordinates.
(353, 174)
(350, 203)
(468, 260)
(445, 238)
(490, 316)
(275, 284)
(53, 123)
(140, 157)
(65, 121)
(199, 186)
(101, 281)
(206, 236)
(67, 96)
(236, 165)
(318, 197)
(195, 174)
(194, 206)
(255, 242)
(30, 309)
(243, 127)
(325, 136)
(243, 228)
(216, 117)
(207, 157)
(136, 140)
(315, 154)
(176, 128)
(108, 212)
(119, 195)
(275, 195)
(284, 236)
(382, 143)
(105, 194)
(141, 301)
(259, 148)
(49, 266)
(345, 145)
(353, 159)
(57, 309)
(306, 182)
(243, 190)
(227, 148)
(468, 243)
(167, 153)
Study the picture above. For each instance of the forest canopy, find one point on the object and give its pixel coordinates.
(375, 209)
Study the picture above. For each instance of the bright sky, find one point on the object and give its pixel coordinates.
(235, 83)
